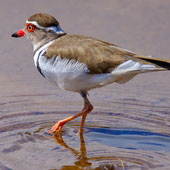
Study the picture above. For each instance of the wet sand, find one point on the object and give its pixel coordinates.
(130, 125)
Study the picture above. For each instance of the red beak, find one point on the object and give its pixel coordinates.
(18, 34)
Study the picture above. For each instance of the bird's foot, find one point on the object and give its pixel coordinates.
(57, 127)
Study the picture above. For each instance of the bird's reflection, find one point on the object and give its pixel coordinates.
(82, 160)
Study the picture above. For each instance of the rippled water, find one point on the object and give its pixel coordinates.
(130, 125)
(111, 140)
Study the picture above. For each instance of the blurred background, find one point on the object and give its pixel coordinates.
(26, 97)
(140, 26)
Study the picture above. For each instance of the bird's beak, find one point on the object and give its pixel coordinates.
(20, 33)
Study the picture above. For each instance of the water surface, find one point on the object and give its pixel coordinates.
(130, 125)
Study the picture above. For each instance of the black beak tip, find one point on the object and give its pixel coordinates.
(15, 35)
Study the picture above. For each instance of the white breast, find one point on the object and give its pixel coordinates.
(43, 48)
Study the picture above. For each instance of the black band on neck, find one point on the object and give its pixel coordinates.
(38, 65)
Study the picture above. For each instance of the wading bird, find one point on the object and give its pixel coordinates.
(80, 63)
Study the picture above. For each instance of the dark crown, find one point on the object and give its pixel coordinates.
(44, 20)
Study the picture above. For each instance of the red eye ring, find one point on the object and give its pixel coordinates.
(30, 27)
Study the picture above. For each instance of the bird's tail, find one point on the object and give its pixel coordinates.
(163, 64)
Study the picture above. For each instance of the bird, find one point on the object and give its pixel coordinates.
(81, 63)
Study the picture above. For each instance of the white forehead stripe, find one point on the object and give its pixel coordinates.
(56, 29)
(35, 23)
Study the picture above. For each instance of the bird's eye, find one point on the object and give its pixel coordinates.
(30, 27)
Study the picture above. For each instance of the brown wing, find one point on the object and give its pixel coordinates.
(99, 56)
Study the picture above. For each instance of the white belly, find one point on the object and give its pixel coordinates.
(71, 75)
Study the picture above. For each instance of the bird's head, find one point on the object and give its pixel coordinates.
(40, 27)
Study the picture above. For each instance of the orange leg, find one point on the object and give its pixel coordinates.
(87, 108)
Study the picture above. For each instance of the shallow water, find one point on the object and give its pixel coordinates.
(130, 125)
(25, 142)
